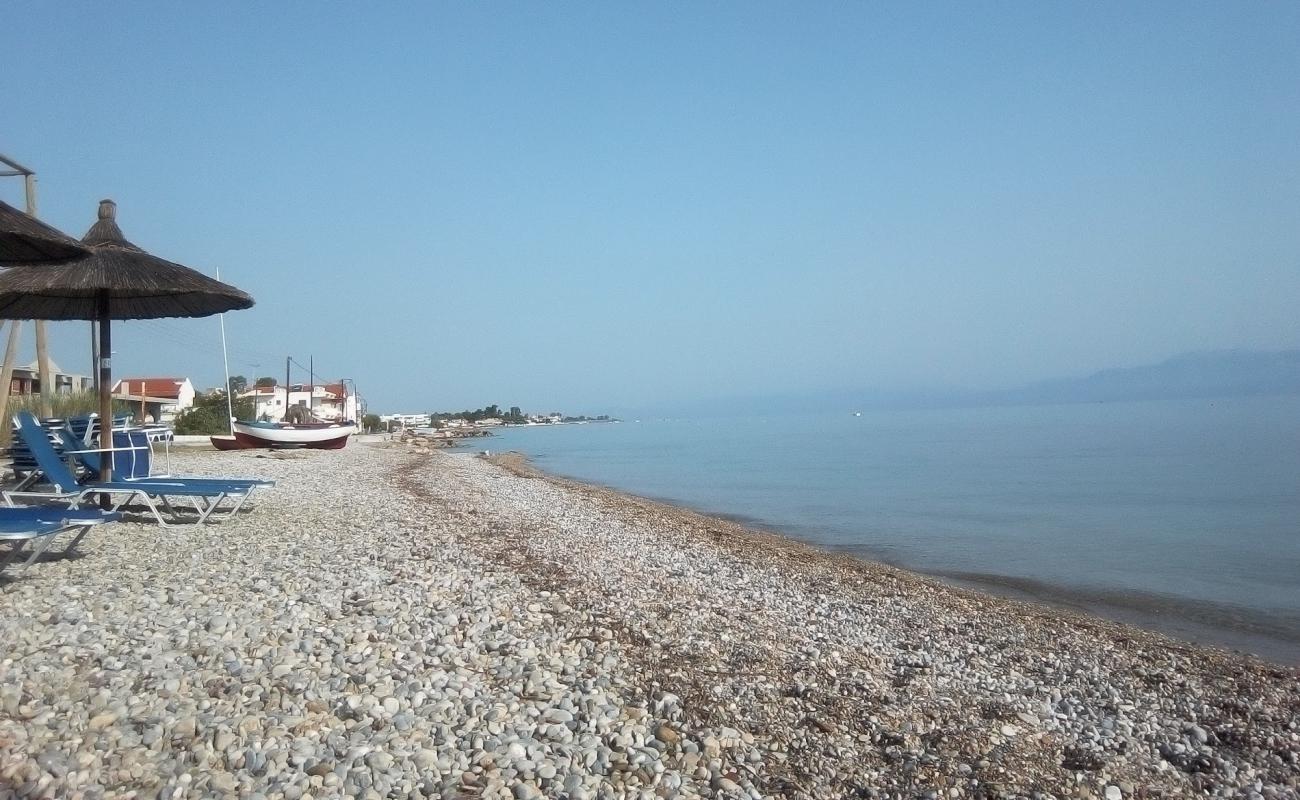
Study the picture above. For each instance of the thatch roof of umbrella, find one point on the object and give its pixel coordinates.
(26, 240)
(136, 284)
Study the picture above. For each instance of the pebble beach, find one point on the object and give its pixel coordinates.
(391, 621)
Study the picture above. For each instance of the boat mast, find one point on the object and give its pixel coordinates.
(287, 393)
(225, 363)
(311, 386)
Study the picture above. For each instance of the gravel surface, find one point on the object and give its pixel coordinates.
(390, 622)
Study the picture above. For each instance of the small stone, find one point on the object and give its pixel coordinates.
(526, 791)
(101, 721)
(53, 762)
(320, 769)
(379, 760)
(222, 739)
(426, 759)
(712, 748)
(1113, 793)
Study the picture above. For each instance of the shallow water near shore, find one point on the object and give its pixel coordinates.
(1183, 516)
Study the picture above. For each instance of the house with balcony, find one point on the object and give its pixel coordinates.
(159, 399)
(26, 380)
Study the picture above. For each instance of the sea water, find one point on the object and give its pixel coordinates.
(1180, 515)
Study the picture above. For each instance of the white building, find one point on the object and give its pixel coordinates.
(161, 398)
(329, 401)
(406, 420)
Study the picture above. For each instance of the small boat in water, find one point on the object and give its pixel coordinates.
(310, 435)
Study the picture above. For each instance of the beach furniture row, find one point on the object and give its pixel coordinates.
(56, 496)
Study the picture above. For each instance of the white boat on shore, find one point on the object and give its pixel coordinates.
(310, 435)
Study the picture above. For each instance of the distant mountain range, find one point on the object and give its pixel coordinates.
(1225, 373)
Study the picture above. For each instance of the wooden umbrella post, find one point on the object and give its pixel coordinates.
(42, 341)
(43, 369)
(105, 367)
(7, 371)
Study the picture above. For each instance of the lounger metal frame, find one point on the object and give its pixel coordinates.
(206, 499)
(44, 533)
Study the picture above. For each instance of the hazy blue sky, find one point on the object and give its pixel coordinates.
(612, 205)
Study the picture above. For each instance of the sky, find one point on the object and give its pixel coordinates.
(606, 206)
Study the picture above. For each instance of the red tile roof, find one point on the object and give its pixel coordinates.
(153, 387)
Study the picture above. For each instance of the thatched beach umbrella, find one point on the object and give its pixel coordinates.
(116, 280)
(26, 240)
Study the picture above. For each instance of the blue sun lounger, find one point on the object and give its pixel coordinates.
(39, 527)
(152, 493)
(90, 459)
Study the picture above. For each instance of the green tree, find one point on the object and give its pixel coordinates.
(209, 412)
(238, 383)
(264, 383)
(370, 423)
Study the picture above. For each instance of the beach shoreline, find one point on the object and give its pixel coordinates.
(1198, 625)
(801, 560)
(392, 622)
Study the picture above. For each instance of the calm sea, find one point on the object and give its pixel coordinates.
(1182, 516)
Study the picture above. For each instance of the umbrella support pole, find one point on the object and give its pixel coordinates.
(105, 372)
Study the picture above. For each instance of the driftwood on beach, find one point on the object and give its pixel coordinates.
(395, 621)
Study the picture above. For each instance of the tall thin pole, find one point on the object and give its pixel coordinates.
(287, 359)
(94, 358)
(42, 342)
(311, 385)
(105, 368)
(15, 326)
(225, 364)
